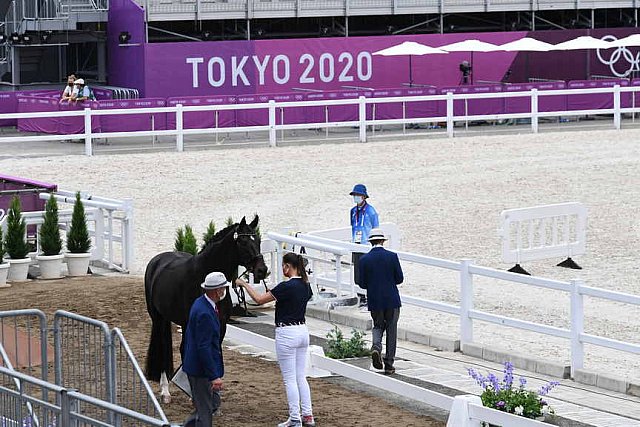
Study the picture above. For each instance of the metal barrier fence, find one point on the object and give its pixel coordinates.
(89, 358)
(362, 123)
(466, 312)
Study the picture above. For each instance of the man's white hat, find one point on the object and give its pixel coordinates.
(214, 280)
(377, 234)
(78, 82)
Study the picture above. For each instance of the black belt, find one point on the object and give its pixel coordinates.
(281, 324)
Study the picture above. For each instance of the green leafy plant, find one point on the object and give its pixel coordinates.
(185, 240)
(1, 247)
(208, 235)
(78, 240)
(341, 348)
(15, 243)
(49, 233)
(229, 222)
(505, 396)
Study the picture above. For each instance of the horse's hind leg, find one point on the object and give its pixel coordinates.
(165, 396)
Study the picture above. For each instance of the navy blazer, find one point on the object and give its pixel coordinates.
(202, 351)
(380, 273)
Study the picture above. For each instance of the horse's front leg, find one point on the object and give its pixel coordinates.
(165, 396)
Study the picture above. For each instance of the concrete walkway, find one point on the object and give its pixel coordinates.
(575, 404)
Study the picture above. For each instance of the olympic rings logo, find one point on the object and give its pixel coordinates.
(621, 53)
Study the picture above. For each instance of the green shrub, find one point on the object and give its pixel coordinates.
(78, 240)
(208, 235)
(229, 221)
(190, 244)
(185, 241)
(49, 233)
(341, 348)
(178, 244)
(1, 247)
(15, 243)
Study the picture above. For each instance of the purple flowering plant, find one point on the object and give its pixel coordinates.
(506, 396)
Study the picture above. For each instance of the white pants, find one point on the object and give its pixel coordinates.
(292, 343)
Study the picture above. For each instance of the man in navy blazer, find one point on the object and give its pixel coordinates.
(380, 273)
(202, 360)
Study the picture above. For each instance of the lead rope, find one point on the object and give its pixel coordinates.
(241, 295)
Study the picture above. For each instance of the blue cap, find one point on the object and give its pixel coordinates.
(359, 189)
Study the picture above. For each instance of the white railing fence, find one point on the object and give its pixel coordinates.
(468, 413)
(577, 290)
(362, 122)
(110, 224)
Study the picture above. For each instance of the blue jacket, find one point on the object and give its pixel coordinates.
(363, 219)
(202, 351)
(380, 273)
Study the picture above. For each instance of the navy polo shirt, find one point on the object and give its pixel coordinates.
(291, 300)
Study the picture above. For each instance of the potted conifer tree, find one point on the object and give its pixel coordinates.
(50, 260)
(16, 244)
(78, 241)
(4, 266)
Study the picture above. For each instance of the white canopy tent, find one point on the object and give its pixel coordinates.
(583, 42)
(409, 49)
(471, 45)
(526, 44)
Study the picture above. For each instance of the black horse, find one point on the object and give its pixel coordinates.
(172, 283)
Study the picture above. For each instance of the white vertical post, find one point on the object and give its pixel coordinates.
(362, 117)
(534, 110)
(450, 114)
(279, 262)
(466, 302)
(179, 125)
(339, 273)
(272, 123)
(616, 107)
(98, 250)
(88, 149)
(577, 326)
(127, 262)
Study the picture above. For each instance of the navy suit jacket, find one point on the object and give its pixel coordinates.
(202, 351)
(380, 273)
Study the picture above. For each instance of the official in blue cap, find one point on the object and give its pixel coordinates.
(364, 218)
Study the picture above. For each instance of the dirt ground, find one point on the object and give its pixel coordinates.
(254, 394)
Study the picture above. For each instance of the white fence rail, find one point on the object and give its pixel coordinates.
(110, 224)
(318, 362)
(576, 289)
(361, 123)
(542, 232)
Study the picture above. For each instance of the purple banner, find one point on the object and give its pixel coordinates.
(595, 100)
(545, 103)
(204, 119)
(132, 122)
(53, 125)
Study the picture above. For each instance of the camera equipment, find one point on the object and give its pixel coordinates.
(465, 69)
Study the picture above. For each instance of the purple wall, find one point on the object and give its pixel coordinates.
(29, 201)
(281, 66)
(126, 63)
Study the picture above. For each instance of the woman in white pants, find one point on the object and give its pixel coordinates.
(292, 336)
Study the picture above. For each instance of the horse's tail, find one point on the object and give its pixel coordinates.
(160, 351)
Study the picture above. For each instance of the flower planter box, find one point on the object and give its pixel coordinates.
(78, 264)
(4, 272)
(50, 266)
(18, 269)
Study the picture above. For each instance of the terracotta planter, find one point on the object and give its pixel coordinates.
(78, 264)
(4, 272)
(50, 266)
(18, 269)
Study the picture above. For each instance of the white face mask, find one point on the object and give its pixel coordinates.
(358, 199)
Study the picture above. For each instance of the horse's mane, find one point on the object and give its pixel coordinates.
(220, 235)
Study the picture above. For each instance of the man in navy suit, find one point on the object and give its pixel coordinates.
(202, 351)
(380, 273)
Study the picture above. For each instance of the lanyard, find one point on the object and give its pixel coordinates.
(360, 219)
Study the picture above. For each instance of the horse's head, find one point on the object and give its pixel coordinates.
(248, 244)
